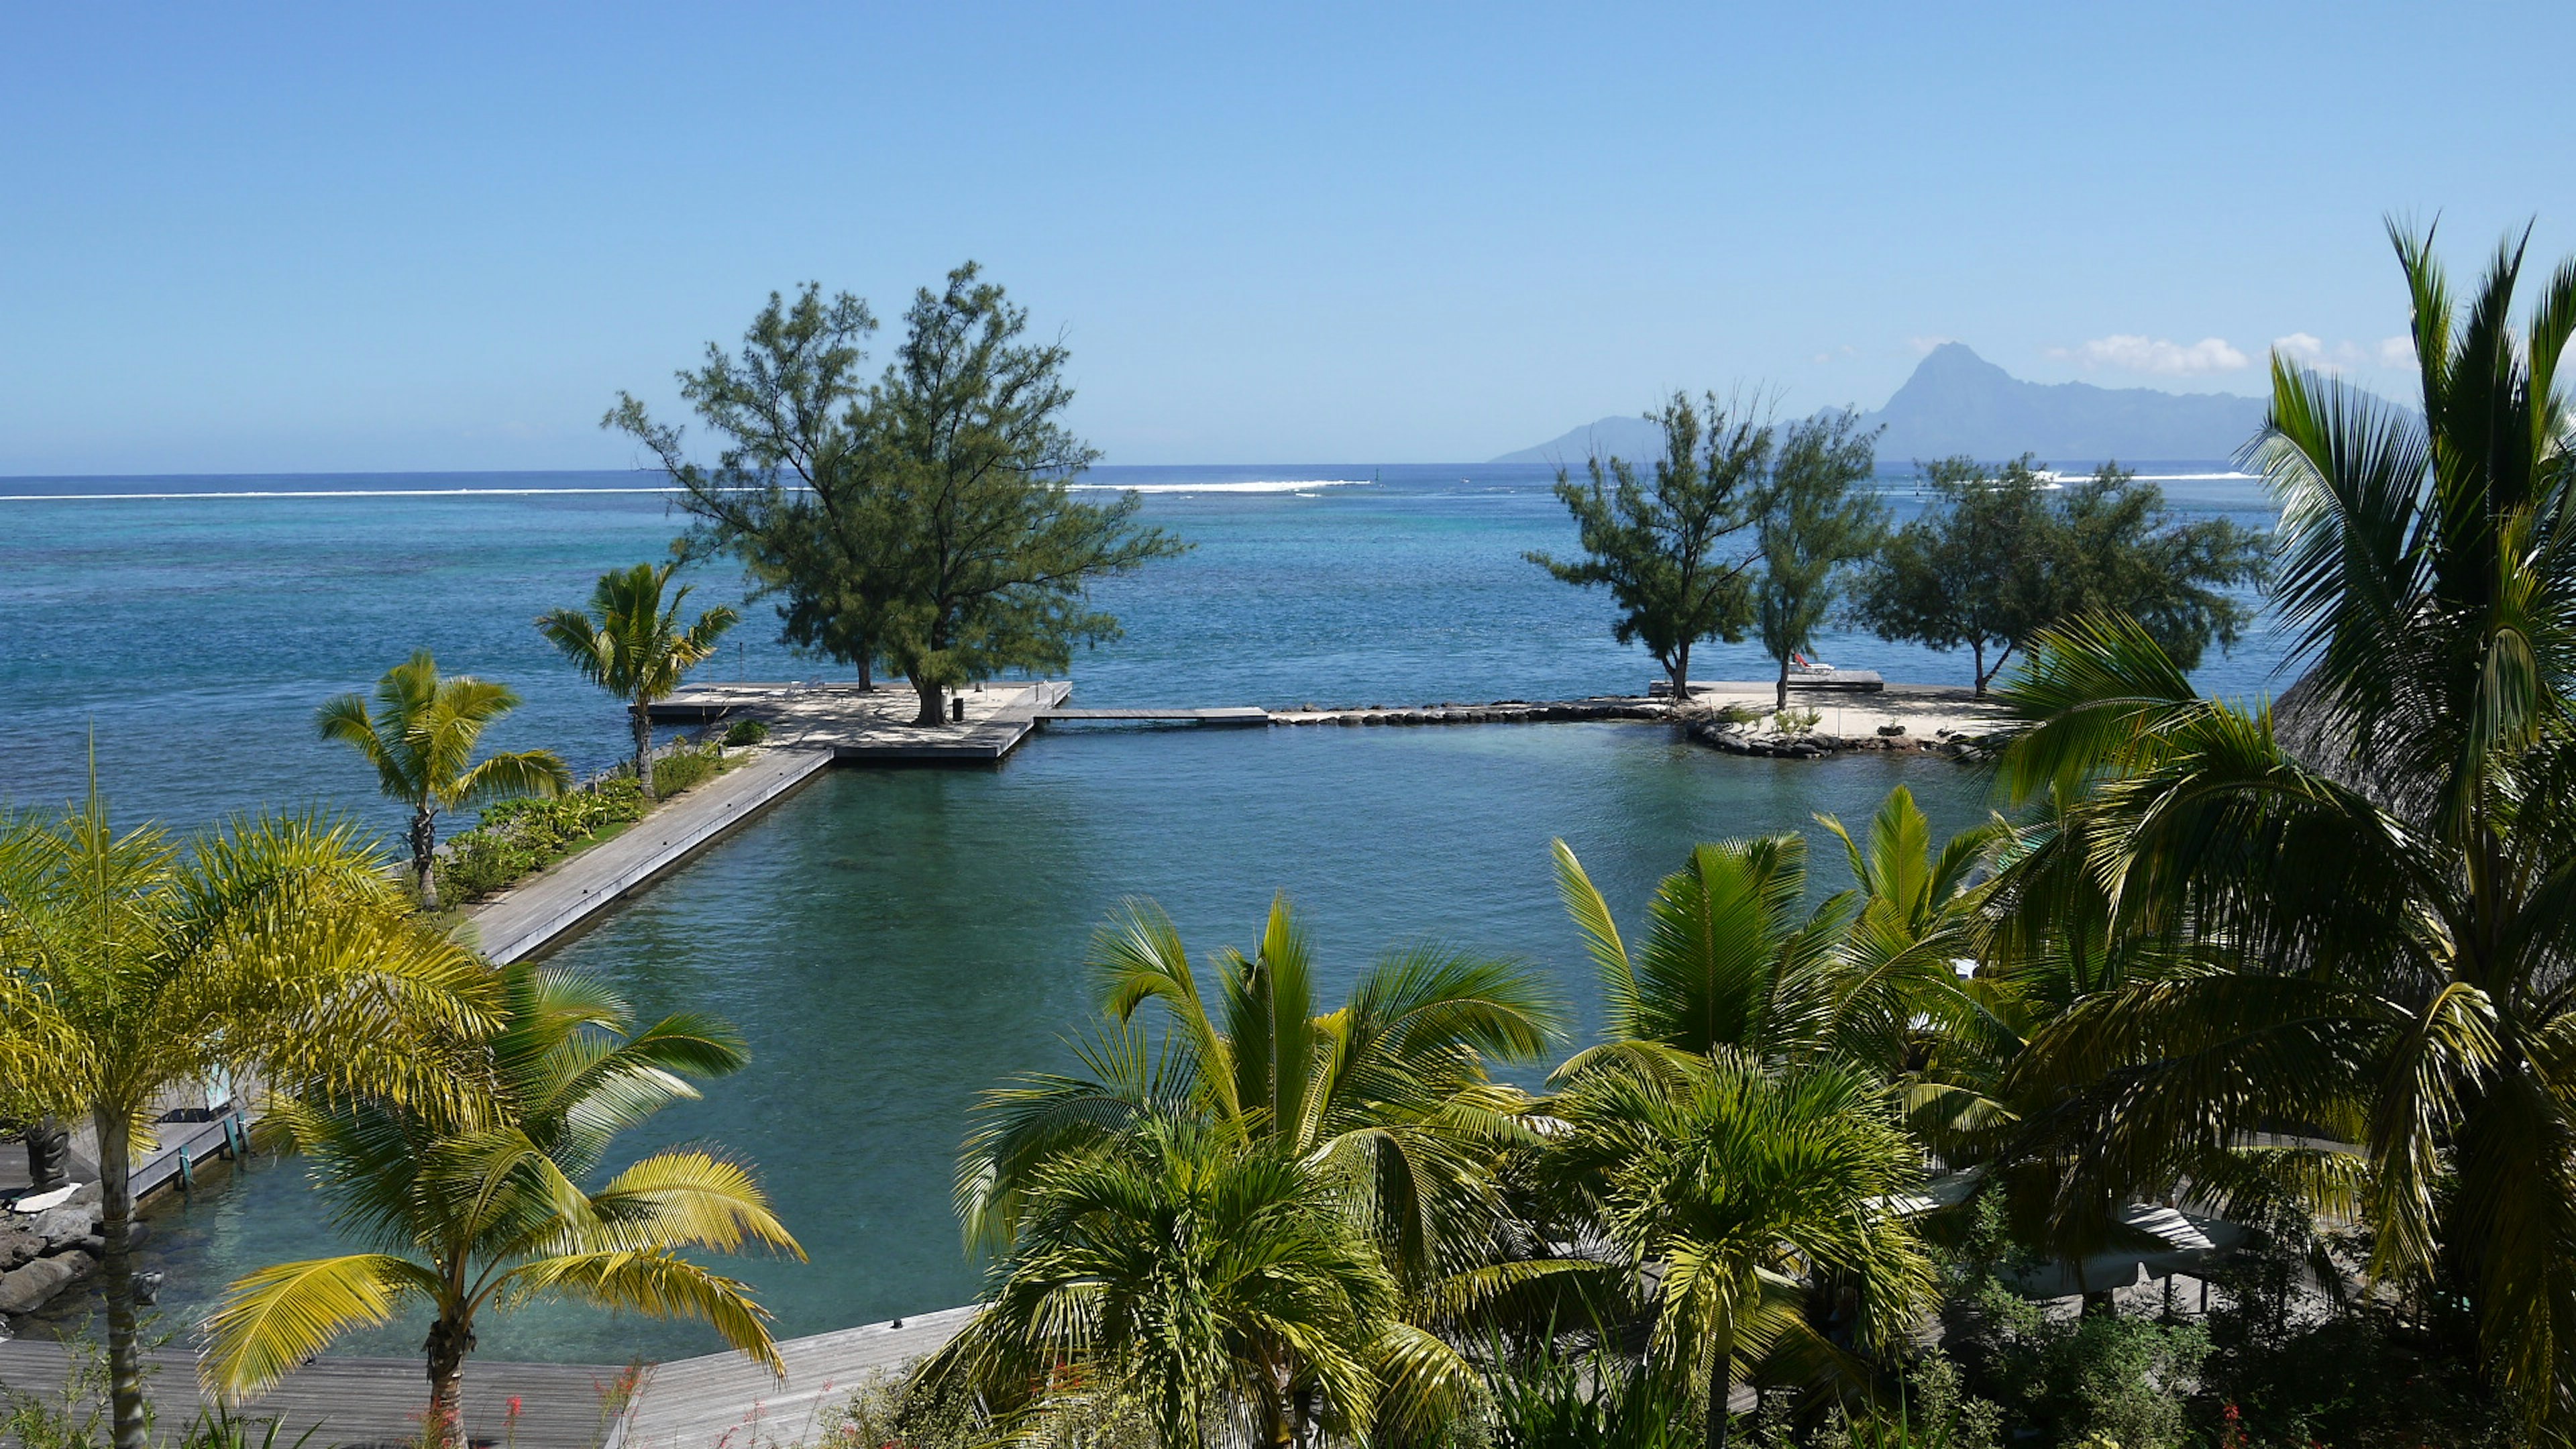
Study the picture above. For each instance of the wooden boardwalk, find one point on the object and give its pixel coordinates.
(874, 724)
(364, 1400)
(725, 1399)
(531, 914)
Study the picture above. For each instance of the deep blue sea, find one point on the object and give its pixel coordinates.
(892, 942)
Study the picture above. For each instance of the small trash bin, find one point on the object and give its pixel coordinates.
(957, 708)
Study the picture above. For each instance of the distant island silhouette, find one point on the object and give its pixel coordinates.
(1957, 402)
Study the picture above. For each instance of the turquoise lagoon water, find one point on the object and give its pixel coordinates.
(892, 941)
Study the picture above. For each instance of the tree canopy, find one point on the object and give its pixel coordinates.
(1999, 556)
(1662, 545)
(925, 518)
(1816, 518)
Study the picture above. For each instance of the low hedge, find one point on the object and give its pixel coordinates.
(516, 838)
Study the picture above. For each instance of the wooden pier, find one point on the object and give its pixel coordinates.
(874, 724)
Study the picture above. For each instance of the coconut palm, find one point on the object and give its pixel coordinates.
(632, 645)
(421, 737)
(1733, 956)
(1214, 1278)
(2381, 878)
(1729, 1188)
(468, 1212)
(132, 969)
(1388, 1094)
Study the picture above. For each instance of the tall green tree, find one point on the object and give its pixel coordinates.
(421, 737)
(1816, 517)
(1746, 1185)
(786, 494)
(132, 967)
(967, 428)
(1664, 547)
(485, 1209)
(1999, 556)
(2378, 879)
(925, 518)
(1974, 571)
(633, 645)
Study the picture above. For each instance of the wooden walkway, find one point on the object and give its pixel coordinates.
(874, 724)
(727, 1400)
(531, 914)
(364, 1400)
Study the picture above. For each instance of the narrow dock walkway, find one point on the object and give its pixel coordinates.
(528, 915)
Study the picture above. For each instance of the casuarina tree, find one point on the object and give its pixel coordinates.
(1665, 545)
(1816, 517)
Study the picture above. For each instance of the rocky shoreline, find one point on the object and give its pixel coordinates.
(1727, 730)
(45, 1254)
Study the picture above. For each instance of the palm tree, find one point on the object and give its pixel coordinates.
(421, 738)
(1727, 1187)
(1211, 1277)
(1389, 1093)
(2380, 879)
(476, 1210)
(1733, 955)
(273, 949)
(631, 644)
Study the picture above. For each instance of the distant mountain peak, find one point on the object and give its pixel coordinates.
(1958, 402)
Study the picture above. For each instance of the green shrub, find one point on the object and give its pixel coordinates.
(516, 837)
(746, 732)
(1795, 721)
(681, 768)
(1589, 1401)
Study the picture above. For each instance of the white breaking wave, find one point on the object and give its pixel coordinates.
(1267, 485)
(320, 493)
(2196, 477)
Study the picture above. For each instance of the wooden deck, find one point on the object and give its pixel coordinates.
(874, 724)
(726, 1400)
(531, 914)
(364, 1400)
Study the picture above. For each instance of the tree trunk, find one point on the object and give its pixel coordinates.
(867, 667)
(1677, 673)
(1721, 1386)
(934, 703)
(1980, 647)
(424, 856)
(116, 1273)
(1784, 683)
(447, 1347)
(643, 749)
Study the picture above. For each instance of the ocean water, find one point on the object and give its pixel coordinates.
(891, 942)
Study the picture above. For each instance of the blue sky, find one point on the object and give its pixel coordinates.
(281, 238)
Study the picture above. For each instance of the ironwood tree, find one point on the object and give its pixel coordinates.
(924, 518)
(1998, 556)
(1667, 546)
(1817, 516)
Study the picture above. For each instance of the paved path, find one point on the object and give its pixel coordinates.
(727, 1400)
(534, 912)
